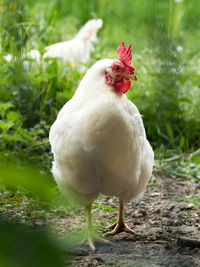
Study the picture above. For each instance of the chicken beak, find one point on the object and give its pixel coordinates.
(131, 77)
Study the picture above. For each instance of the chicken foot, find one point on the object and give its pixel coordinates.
(90, 236)
(119, 225)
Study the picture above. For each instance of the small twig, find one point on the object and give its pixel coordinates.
(32, 148)
(113, 205)
(181, 155)
(25, 29)
(194, 153)
(173, 158)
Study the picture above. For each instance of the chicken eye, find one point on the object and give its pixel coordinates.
(117, 68)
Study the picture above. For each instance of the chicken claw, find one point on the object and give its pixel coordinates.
(90, 241)
(118, 228)
(90, 238)
(112, 226)
(119, 225)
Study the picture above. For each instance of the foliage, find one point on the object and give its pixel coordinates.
(25, 248)
(185, 166)
(11, 128)
(24, 207)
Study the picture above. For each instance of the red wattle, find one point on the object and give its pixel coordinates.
(122, 86)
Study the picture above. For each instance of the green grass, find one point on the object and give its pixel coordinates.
(194, 199)
(183, 166)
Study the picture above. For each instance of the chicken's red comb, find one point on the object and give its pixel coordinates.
(124, 54)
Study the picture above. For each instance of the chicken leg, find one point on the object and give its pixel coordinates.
(119, 225)
(90, 236)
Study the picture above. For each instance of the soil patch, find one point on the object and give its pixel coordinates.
(167, 225)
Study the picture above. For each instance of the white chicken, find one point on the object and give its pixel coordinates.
(98, 140)
(76, 50)
(33, 54)
(79, 48)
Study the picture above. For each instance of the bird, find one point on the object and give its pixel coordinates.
(35, 55)
(99, 143)
(78, 49)
(30, 59)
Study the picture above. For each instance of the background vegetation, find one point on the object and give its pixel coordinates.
(165, 36)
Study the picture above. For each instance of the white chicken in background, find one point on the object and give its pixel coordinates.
(33, 54)
(8, 57)
(99, 143)
(78, 49)
(36, 56)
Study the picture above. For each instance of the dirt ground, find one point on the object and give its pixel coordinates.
(167, 225)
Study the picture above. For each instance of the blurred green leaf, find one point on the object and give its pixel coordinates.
(30, 178)
(22, 248)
